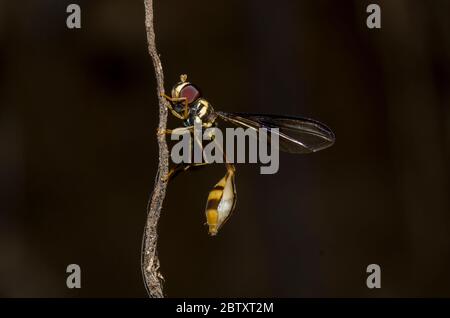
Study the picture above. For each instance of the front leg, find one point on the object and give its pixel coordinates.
(180, 130)
(177, 99)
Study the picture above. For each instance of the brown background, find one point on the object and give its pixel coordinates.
(78, 153)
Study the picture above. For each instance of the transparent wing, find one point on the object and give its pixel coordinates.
(296, 134)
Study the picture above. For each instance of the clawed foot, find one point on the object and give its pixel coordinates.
(161, 132)
(165, 178)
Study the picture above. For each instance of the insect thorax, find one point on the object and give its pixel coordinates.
(200, 110)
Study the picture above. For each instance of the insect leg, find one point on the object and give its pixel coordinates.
(181, 130)
(178, 99)
(176, 131)
(180, 168)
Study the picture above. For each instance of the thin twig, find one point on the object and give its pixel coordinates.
(150, 262)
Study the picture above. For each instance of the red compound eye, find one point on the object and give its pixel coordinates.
(190, 92)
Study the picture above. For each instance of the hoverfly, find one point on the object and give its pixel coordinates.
(296, 135)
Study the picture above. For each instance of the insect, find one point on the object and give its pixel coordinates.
(296, 135)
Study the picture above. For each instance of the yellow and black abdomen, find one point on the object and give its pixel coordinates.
(221, 202)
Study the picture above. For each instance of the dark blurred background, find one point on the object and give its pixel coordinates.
(78, 156)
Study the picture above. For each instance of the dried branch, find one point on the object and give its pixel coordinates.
(150, 262)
